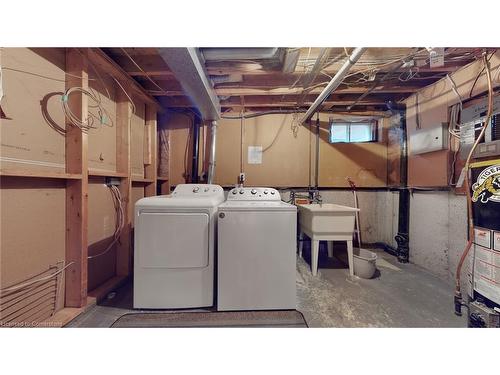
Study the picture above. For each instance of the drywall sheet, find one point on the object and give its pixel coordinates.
(101, 226)
(284, 156)
(179, 126)
(365, 163)
(33, 80)
(287, 157)
(228, 152)
(433, 169)
(102, 141)
(33, 222)
(137, 140)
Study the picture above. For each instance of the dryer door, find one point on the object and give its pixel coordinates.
(173, 240)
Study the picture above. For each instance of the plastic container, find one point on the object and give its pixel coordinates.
(364, 263)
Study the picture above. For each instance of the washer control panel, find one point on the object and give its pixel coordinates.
(195, 190)
(253, 194)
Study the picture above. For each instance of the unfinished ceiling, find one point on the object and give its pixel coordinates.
(254, 79)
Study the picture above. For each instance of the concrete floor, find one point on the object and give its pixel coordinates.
(400, 295)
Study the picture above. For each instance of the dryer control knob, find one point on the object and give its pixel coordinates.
(272, 192)
(234, 192)
(254, 191)
(195, 189)
(265, 191)
(242, 191)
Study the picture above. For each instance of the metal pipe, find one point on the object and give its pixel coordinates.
(196, 151)
(334, 83)
(316, 164)
(211, 161)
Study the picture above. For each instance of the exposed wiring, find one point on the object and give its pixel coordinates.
(31, 282)
(458, 293)
(120, 220)
(479, 75)
(142, 70)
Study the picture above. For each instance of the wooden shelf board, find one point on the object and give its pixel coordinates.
(159, 178)
(18, 173)
(99, 173)
(142, 180)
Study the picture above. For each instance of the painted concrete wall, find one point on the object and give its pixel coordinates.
(438, 232)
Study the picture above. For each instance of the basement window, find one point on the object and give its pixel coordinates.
(353, 132)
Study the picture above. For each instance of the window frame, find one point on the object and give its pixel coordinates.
(374, 130)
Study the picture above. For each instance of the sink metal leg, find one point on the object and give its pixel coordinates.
(301, 243)
(330, 248)
(314, 257)
(350, 257)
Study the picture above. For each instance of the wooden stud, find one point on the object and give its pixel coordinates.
(76, 189)
(150, 169)
(123, 117)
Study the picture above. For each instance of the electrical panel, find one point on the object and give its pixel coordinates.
(430, 139)
(472, 121)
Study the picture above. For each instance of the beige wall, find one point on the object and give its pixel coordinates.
(287, 160)
(432, 169)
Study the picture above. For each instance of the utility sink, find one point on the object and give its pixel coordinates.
(327, 222)
(327, 219)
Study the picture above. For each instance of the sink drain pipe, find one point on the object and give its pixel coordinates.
(211, 160)
(196, 150)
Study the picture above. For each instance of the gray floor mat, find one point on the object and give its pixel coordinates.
(270, 319)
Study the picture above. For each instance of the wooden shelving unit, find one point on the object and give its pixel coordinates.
(79, 64)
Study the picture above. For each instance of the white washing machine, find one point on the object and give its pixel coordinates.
(256, 251)
(174, 248)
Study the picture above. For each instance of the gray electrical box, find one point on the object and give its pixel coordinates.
(434, 138)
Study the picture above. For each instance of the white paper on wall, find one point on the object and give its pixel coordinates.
(254, 154)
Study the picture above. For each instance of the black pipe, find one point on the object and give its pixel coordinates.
(196, 142)
(403, 236)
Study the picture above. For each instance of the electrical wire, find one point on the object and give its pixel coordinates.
(458, 293)
(479, 75)
(120, 220)
(142, 70)
(24, 285)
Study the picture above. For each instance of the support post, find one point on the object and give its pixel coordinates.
(123, 118)
(76, 146)
(150, 169)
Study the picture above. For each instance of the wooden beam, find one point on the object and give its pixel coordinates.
(76, 189)
(277, 100)
(150, 169)
(104, 62)
(154, 73)
(124, 247)
(244, 91)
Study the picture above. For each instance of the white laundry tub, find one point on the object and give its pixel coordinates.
(327, 219)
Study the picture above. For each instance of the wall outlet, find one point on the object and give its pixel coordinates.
(241, 178)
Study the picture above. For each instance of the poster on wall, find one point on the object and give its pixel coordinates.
(254, 154)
